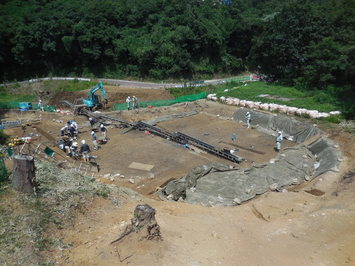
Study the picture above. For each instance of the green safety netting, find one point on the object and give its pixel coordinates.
(186, 98)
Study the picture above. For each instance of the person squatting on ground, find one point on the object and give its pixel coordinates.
(128, 101)
(64, 130)
(278, 141)
(248, 119)
(94, 140)
(74, 150)
(135, 102)
(85, 150)
(72, 131)
(103, 130)
(67, 145)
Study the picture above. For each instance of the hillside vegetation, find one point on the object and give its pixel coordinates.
(302, 43)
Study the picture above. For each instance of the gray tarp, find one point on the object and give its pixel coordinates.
(218, 184)
(271, 123)
(327, 155)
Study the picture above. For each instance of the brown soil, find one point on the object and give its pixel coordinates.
(291, 228)
(115, 94)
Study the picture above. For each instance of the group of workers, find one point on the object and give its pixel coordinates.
(132, 102)
(69, 135)
(69, 146)
(70, 129)
(279, 136)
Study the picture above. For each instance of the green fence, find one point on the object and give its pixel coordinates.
(186, 98)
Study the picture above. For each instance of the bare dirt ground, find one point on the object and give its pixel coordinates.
(115, 94)
(291, 228)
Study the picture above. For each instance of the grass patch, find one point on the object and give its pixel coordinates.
(11, 97)
(178, 92)
(31, 92)
(312, 100)
(26, 218)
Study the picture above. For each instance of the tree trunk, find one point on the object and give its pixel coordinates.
(143, 223)
(24, 174)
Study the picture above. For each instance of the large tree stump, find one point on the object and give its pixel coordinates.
(143, 223)
(24, 174)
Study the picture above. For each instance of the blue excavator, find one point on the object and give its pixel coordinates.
(94, 101)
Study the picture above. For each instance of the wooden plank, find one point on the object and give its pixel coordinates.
(141, 166)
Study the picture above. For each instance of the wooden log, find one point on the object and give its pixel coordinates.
(143, 223)
(24, 173)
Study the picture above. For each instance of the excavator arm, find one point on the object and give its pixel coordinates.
(94, 100)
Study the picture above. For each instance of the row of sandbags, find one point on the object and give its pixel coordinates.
(271, 107)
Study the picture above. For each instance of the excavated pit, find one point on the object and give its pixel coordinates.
(144, 162)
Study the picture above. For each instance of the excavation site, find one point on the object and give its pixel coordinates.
(220, 190)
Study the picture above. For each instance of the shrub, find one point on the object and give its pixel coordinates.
(3, 137)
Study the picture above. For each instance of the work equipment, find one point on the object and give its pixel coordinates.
(94, 100)
(24, 106)
(177, 137)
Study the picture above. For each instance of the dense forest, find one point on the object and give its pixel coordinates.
(305, 43)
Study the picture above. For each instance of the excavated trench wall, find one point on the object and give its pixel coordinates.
(220, 184)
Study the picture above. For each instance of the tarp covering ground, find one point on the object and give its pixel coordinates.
(216, 184)
(219, 184)
(271, 123)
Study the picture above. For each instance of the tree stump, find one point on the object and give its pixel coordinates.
(24, 174)
(143, 223)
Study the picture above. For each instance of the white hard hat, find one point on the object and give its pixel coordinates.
(92, 132)
(83, 141)
(75, 144)
(248, 113)
(90, 118)
(102, 125)
(279, 132)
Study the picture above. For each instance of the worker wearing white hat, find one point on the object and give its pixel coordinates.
(248, 118)
(103, 130)
(94, 138)
(74, 150)
(85, 150)
(128, 101)
(278, 141)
